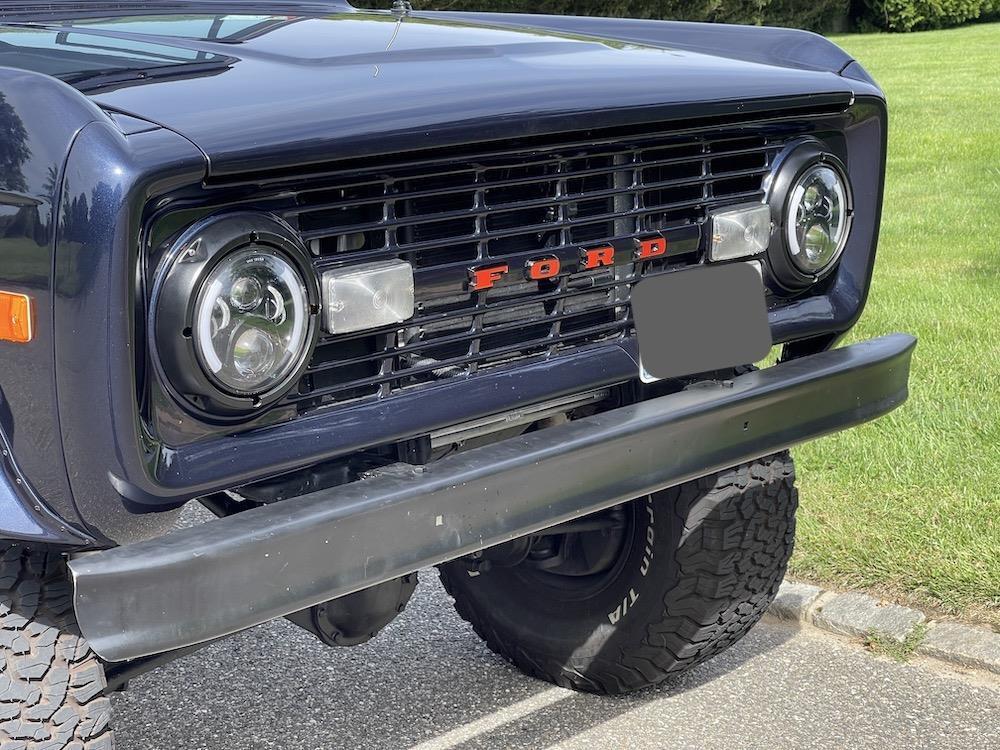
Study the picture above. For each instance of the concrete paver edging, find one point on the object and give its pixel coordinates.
(862, 616)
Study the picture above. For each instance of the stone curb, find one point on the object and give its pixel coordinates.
(859, 615)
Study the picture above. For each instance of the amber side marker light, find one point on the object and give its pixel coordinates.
(15, 318)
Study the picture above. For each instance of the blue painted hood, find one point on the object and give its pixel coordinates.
(296, 90)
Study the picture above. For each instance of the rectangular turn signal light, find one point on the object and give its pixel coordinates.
(370, 295)
(740, 231)
(15, 318)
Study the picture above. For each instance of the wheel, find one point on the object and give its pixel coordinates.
(51, 683)
(620, 600)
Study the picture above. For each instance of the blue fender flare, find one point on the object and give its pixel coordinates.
(23, 516)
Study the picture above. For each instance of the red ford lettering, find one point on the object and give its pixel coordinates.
(597, 257)
(650, 248)
(542, 268)
(550, 266)
(486, 276)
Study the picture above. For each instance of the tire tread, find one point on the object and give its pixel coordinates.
(51, 684)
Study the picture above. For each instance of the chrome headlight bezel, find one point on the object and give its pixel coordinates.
(797, 161)
(177, 294)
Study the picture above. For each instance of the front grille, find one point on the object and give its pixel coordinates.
(444, 215)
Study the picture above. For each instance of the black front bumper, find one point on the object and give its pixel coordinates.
(200, 583)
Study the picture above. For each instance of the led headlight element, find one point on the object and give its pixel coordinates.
(357, 298)
(811, 213)
(740, 232)
(817, 221)
(250, 321)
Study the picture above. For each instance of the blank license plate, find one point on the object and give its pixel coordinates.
(700, 319)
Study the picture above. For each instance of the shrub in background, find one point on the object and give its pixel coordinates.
(816, 15)
(912, 15)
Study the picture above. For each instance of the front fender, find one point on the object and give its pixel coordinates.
(40, 118)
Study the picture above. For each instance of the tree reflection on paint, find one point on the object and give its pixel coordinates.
(14, 149)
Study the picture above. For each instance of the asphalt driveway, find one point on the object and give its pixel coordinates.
(428, 683)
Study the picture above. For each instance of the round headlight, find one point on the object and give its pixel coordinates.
(251, 320)
(817, 224)
(234, 314)
(811, 212)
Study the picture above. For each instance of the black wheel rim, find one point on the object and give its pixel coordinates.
(583, 560)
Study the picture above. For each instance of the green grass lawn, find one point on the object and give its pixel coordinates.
(910, 505)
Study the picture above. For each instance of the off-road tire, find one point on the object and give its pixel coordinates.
(51, 683)
(718, 552)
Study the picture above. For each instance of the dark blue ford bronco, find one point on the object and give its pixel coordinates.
(386, 290)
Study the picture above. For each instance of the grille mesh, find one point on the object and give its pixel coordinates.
(444, 215)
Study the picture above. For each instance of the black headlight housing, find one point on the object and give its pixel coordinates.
(233, 314)
(808, 191)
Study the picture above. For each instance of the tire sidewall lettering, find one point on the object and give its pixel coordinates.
(645, 539)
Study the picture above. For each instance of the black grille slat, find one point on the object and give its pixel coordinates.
(549, 226)
(471, 167)
(423, 320)
(447, 210)
(467, 335)
(606, 328)
(570, 196)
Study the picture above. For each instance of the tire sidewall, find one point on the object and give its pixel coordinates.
(524, 607)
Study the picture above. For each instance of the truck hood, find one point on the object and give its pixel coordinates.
(287, 91)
